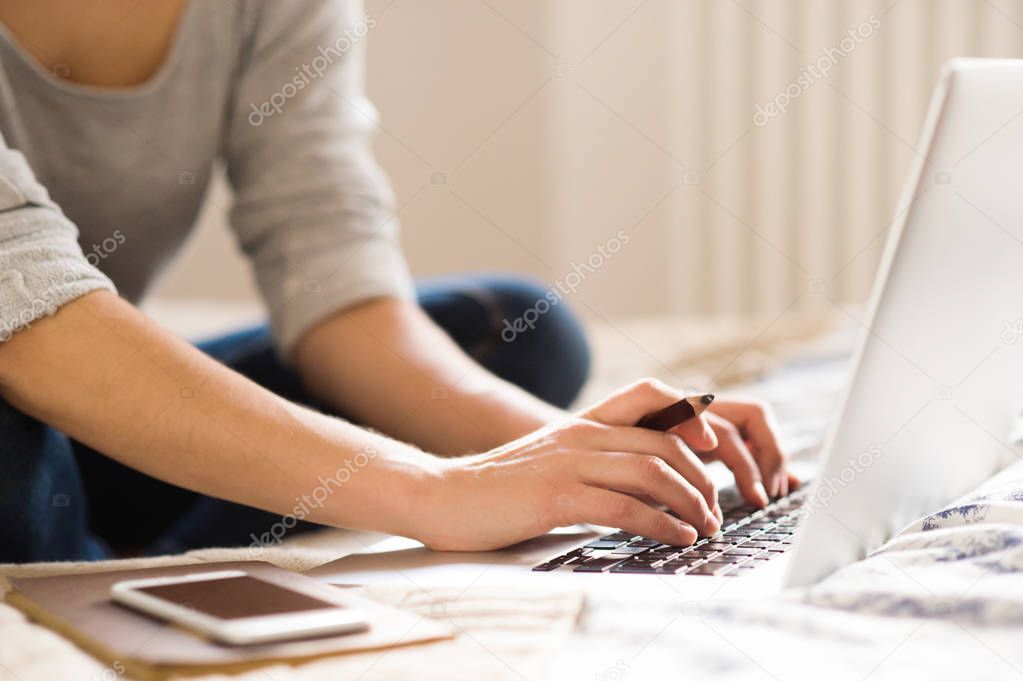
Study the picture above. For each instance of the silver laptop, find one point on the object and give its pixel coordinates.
(926, 415)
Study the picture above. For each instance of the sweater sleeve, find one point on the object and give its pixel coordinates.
(313, 211)
(42, 267)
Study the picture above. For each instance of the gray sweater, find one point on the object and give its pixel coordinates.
(100, 187)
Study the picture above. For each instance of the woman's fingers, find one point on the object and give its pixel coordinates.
(615, 509)
(667, 446)
(756, 424)
(650, 476)
(734, 453)
(697, 433)
(629, 405)
(741, 434)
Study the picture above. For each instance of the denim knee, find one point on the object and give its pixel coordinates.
(542, 338)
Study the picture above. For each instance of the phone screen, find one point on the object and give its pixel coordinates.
(236, 597)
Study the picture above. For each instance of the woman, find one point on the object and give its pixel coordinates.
(118, 436)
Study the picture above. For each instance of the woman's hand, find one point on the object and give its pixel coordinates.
(598, 468)
(742, 436)
(745, 432)
(739, 433)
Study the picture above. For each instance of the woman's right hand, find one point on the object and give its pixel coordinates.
(597, 468)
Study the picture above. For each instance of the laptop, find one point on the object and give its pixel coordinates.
(926, 414)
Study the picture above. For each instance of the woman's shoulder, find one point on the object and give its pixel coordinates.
(298, 19)
(300, 35)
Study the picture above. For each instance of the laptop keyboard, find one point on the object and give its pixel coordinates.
(749, 536)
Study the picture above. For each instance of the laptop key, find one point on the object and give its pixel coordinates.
(716, 546)
(601, 564)
(742, 532)
(760, 524)
(630, 549)
(742, 552)
(604, 545)
(558, 561)
(641, 569)
(657, 555)
(701, 553)
(647, 543)
(709, 569)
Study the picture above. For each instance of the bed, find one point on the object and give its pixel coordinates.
(943, 599)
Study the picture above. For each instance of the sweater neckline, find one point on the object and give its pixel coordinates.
(148, 86)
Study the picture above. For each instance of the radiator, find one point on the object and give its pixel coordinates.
(768, 209)
(793, 208)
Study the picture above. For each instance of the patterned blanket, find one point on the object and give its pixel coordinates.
(942, 600)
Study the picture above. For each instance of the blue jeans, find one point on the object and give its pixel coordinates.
(60, 500)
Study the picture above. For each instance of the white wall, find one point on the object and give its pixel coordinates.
(559, 123)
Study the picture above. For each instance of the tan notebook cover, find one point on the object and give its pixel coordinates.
(78, 606)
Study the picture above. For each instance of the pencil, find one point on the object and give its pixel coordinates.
(677, 413)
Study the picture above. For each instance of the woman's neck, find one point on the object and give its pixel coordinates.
(103, 43)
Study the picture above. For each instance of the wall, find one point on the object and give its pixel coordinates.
(524, 135)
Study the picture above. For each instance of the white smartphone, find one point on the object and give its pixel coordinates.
(236, 608)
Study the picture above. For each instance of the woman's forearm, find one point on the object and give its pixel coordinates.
(386, 364)
(104, 374)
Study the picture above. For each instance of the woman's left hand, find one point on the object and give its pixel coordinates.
(740, 434)
(747, 444)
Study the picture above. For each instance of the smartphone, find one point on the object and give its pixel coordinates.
(236, 608)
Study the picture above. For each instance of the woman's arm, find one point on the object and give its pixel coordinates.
(317, 218)
(103, 373)
(381, 361)
(402, 356)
